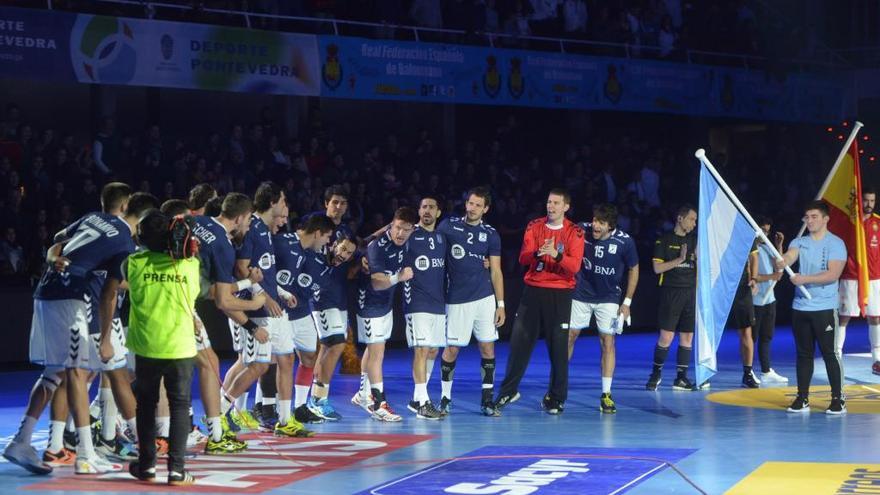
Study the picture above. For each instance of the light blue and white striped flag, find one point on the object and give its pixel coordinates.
(724, 239)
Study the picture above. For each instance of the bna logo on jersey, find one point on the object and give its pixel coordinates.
(423, 263)
(612, 249)
(304, 280)
(283, 277)
(265, 261)
(483, 237)
(457, 251)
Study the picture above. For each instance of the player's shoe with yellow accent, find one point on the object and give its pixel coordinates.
(606, 404)
(226, 445)
(248, 420)
(95, 465)
(293, 429)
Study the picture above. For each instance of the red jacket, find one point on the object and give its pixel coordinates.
(545, 271)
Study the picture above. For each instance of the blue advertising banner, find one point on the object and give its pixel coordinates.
(66, 47)
(536, 470)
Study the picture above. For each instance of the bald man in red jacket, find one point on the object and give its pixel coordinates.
(553, 249)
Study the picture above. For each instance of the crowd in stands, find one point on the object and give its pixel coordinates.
(48, 177)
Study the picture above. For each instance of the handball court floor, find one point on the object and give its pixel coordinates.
(726, 440)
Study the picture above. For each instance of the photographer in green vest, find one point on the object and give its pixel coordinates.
(163, 281)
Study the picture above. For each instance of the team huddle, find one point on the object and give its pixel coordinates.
(285, 293)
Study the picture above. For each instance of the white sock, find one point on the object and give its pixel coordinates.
(365, 387)
(839, 337)
(108, 414)
(283, 411)
(268, 401)
(85, 449)
(420, 394)
(874, 336)
(606, 384)
(215, 429)
(71, 426)
(241, 402)
(258, 396)
(26, 430)
(446, 389)
(56, 436)
(300, 395)
(133, 426)
(429, 368)
(163, 426)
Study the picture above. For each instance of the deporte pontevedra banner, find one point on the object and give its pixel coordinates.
(58, 46)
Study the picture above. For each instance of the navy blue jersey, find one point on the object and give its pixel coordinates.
(383, 256)
(341, 230)
(93, 298)
(605, 262)
(467, 247)
(216, 252)
(329, 283)
(257, 247)
(293, 276)
(97, 241)
(426, 254)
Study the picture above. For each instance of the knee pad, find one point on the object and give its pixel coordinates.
(333, 340)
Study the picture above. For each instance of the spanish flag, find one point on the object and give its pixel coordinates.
(844, 198)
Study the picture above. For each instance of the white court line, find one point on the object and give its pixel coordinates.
(871, 389)
(624, 487)
(375, 491)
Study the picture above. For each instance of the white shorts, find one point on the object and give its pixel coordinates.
(305, 335)
(331, 322)
(425, 330)
(236, 332)
(475, 318)
(202, 340)
(849, 298)
(280, 340)
(605, 314)
(60, 335)
(120, 352)
(375, 330)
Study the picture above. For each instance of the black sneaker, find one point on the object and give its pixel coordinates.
(148, 474)
(305, 415)
(800, 405)
(428, 411)
(749, 381)
(70, 440)
(837, 407)
(606, 404)
(653, 381)
(182, 478)
(682, 383)
(552, 406)
(487, 408)
(413, 407)
(257, 412)
(506, 399)
(445, 406)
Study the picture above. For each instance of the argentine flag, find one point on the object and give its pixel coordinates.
(724, 239)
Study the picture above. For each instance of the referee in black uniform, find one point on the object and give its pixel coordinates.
(675, 260)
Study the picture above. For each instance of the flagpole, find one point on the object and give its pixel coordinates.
(849, 140)
(701, 155)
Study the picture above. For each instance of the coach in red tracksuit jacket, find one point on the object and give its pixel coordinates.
(553, 248)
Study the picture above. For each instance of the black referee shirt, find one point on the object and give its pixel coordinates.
(667, 248)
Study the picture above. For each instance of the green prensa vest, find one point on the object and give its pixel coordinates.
(163, 294)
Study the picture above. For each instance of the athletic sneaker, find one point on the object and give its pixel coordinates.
(293, 429)
(653, 381)
(606, 404)
(70, 440)
(238, 417)
(268, 423)
(116, 449)
(148, 474)
(161, 446)
(183, 478)
(305, 415)
(800, 405)
(248, 420)
(257, 413)
(551, 405)
(429, 412)
(837, 407)
(875, 368)
(95, 465)
(683, 383)
(365, 404)
(772, 377)
(230, 420)
(64, 457)
(504, 400)
(445, 406)
(26, 456)
(748, 381)
(195, 437)
(487, 408)
(224, 446)
(322, 408)
(704, 386)
(384, 413)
